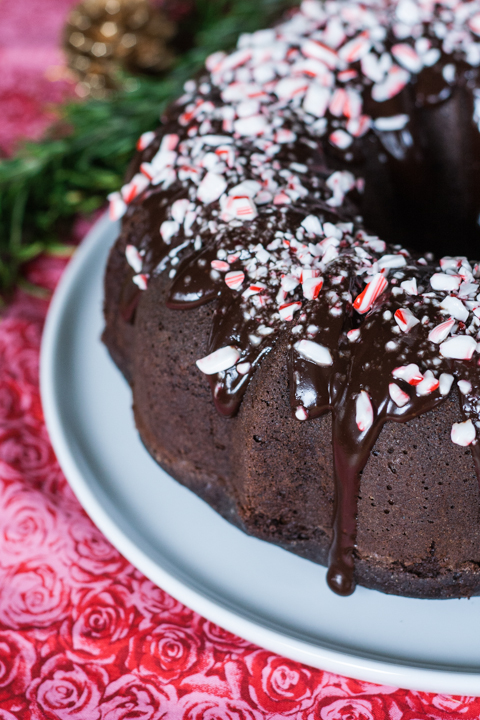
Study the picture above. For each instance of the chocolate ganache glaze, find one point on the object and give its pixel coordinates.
(250, 195)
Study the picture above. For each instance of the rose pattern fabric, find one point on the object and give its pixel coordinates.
(83, 634)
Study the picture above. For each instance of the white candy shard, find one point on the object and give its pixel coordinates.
(405, 319)
(211, 188)
(391, 261)
(441, 332)
(145, 139)
(316, 100)
(168, 229)
(460, 347)
(464, 386)
(219, 360)
(463, 433)
(446, 382)
(353, 335)
(448, 283)
(134, 258)
(316, 353)
(364, 411)
(179, 209)
(399, 397)
(312, 225)
(455, 308)
(393, 122)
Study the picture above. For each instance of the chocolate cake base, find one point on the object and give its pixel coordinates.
(418, 529)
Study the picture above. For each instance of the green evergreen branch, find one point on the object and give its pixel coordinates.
(85, 155)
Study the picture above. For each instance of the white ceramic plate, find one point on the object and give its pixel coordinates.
(249, 587)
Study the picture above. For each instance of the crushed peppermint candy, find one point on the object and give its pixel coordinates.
(463, 433)
(364, 411)
(316, 353)
(222, 359)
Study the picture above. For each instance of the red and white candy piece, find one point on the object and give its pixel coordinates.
(220, 265)
(410, 373)
(391, 123)
(441, 332)
(463, 433)
(311, 287)
(284, 136)
(337, 103)
(428, 384)
(134, 258)
(301, 413)
(288, 310)
(316, 353)
(353, 335)
(355, 49)
(363, 411)
(211, 188)
(405, 319)
(240, 208)
(399, 397)
(341, 139)
(464, 386)
(407, 57)
(318, 51)
(136, 185)
(234, 279)
(219, 360)
(118, 207)
(145, 139)
(179, 209)
(474, 24)
(410, 286)
(394, 83)
(370, 293)
(460, 347)
(141, 281)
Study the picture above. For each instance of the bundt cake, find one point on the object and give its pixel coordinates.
(344, 368)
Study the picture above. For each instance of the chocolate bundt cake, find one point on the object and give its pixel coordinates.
(344, 368)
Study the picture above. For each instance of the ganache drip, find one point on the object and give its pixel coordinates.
(254, 214)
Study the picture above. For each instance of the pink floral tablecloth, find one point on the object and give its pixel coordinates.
(83, 634)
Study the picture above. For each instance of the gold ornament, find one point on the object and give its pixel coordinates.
(102, 37)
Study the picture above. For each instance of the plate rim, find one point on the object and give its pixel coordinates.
(398, 674)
